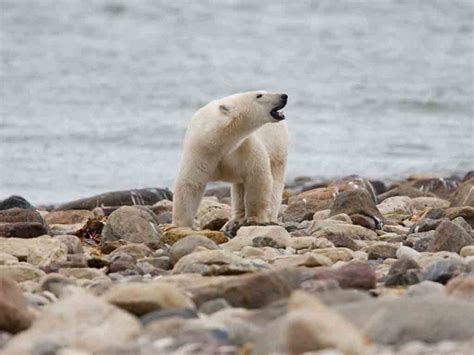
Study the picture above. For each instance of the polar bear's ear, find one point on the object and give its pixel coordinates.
(225, 109)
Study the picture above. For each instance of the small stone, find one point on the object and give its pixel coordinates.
(143, 298)
(450, 237)
(320, 229)
(187, 245)
(395, 205)
(160, 262)
(215, 219)
(136, 250)
(342, 240)
(134, 224)
(336, 254)
(183, 313)
(406, 252)
(423, 203)
(14, 314)
(382, 250)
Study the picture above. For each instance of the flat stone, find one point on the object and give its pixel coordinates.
(68, 217)
(173, 235)
(142, 298)
(14, 314)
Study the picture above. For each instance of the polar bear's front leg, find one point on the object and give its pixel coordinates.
(238, 205)
(258, 198)
(186, 199)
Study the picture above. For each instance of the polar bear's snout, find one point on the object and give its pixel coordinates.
(275, 111)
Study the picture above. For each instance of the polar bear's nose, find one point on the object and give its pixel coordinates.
(284, 97)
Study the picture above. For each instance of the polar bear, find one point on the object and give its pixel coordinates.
(241, 139)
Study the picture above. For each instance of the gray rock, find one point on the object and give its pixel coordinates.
(403, 272)
(358, 201)
(136, 225)
(383, 250)
(450, 237)
(442, 271)
(425, 289)
(187, 245)
(73, 243)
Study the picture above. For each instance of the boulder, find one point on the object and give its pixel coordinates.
(449, 237)
(14, 314)
(134, 224)
(353, 202)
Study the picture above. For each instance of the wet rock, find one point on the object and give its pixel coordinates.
(464, 194)
(187, 245)
(403, 272)
(449, 237)
(14, 314)
(68, 217)
(173, 235)
(250, 290)
(21, 272)
(403, 320)
(425, 289)
(40, 251)
(15, 202)
(423, 203)
(357, 201)
(78, 320)
(383, 250)
(73, 243)
(215, 262)
(147, 196)
(134, 224)
(246, 236)
(22, 230)
(143, 298)
(310, 326)
(461, 287)
(442, 271)
(304, 205)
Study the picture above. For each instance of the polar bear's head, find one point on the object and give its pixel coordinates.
(259, 107)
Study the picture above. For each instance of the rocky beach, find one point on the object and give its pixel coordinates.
(353, 266)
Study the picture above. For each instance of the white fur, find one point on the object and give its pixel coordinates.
(234, 139)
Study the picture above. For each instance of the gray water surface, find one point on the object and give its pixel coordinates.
(95, 95)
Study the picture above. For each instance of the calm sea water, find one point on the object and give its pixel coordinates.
(95, 95)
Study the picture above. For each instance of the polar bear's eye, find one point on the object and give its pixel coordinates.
(259, 96)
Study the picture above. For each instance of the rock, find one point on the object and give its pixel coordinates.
(212, 214)
(173, 312)
(325, 230)
(135, 250)
(423, 203)
(404, 190)
(342, 240)
(399, 321)
(420, 241)
(461, 222)
(218, 192)
(304, 205)
(142, 298)
(425, 289)
(40, 251)
(164, 217)
(81, 273)
(22, 230)
(466, 251)
(313, 326)
(173, 235)
(73, 243)
(441, 187)
(355, 274)
(425, 225)
(187, 245)
(450, 237)
(461, 287)
(442, 271)
(364, 221)
(336, 254)
(383, 250)
(214, 305)
(16, 215)
(20, 272)
(466, 212)
(249, 290)
(15, 202)
(160, 262)
(148, 196)
(14, 314)
(78, 320)
(403, 272)
(357, 201)
(246, 237)
(6, 259)
(55, 283)
(68, 217)
(464, 194)
(215, 262)
(307, 259)
(134, 224)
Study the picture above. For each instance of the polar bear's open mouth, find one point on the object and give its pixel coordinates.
(278, 115)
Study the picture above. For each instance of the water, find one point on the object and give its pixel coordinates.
(95, 95)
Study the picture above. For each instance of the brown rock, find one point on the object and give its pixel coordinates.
(364, 221)
(14, 215)
(173, 235)
(439, 186)
(464, 194)
(341, 240)
(68, 217)
(382, 250)
(461, 287)
(187, 245)
(449, 237)
(354, 274)
(14, 315)
(358, 201)
(22, 230)
(303, 206)
(404, 190)
(466, 212)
